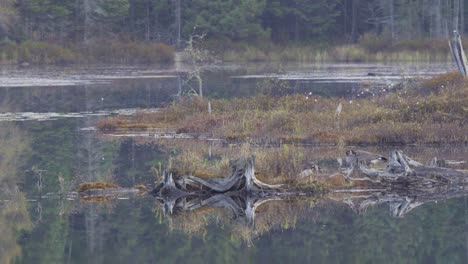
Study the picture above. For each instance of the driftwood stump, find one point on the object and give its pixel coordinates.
(404, 184)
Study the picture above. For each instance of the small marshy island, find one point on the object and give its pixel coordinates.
(430, 111)
(238, 154)
(287, 150)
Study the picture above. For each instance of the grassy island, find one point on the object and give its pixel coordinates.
(433, 111)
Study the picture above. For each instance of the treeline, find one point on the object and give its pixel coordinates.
(171, 21)
(379, 24)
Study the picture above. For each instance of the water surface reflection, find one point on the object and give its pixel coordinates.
(43, 221)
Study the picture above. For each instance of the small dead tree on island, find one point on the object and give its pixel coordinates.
(196, 57)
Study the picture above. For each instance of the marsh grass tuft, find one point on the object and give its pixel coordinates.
(86, 186)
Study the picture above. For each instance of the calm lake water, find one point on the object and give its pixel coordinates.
(48, 147)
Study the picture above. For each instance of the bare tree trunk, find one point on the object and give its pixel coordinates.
(200, 83)
(456, 14)
(296, 28)
(178, 11)
(354, 21)
(462, 17)
(392, 20)
(148, 21)
(438, 19)
(345, 16)
(87, 21)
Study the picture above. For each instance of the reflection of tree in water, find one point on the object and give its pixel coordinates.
(61, 155)
(94, 157)
(331, 232)
(14, 216)
(94, 162)
(124, 231)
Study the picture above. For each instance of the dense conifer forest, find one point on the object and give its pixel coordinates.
(226, 24)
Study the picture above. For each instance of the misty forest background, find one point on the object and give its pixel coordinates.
(227, 23)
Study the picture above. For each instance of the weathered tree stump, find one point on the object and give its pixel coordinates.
(404, 183)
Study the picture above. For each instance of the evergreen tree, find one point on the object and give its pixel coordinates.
(301, 19)
(234, 20)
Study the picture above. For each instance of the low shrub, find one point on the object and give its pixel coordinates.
(35, 53)
(374, 43)
(349, 53)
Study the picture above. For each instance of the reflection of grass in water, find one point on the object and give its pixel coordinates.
(194, 223)
(433, 111)
(98, 199)
(14, 217)
(12, 144)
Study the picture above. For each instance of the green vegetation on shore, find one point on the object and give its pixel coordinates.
(369, 48)
(115, 52)
(92, 31)
(432, 111)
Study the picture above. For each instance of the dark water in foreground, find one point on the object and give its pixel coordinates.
(45, 153)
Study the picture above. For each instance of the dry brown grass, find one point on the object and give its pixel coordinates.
(86, 186)
(141, 188)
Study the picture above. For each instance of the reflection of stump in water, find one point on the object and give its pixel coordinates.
(241, 193)
(404, 183)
